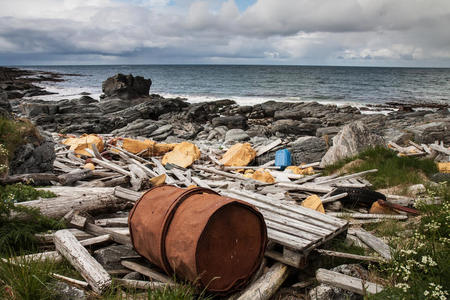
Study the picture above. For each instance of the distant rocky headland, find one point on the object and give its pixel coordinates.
(127, 108)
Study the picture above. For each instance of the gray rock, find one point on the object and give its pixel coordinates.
(231, 122)
(430, 132)
(352, 139)
(236, 135)
(162, 129)
(134, 276)
(126, 86)
(329, 131)
(109, 257)
(294, 127)
(289, 114)
(35, 156)
(307, 149)
(63, 291)
(4, 102)
(327, 292)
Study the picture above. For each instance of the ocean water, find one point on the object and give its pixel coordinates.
(250, 84)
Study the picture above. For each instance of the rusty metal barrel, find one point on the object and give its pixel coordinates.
(213, 241)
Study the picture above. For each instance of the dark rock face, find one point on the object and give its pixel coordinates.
(434, 131)
(36, 156)
(4, 102)
(307, 149)
(294, 127)
(239, 122)
(126, 86)
(110, 257)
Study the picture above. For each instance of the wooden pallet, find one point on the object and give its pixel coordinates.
(297, 229)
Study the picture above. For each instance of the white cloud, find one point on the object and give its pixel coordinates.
(289, 31)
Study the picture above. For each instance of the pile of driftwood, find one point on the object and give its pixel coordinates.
(295, 229)
(436, 151)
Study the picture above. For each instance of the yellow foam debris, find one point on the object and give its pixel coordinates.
(89, 166)
(183, 155)
(78, 145)
(314, 202)
(153, 148)
(301, 171)
(263, 176)
(158, 180)
(239, 155)
(444, 167)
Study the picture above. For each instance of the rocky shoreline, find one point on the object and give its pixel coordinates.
(128, 110)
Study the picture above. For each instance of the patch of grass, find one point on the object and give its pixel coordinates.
(18, 224)
(10, 135)
(26, 280)
(420, 267)
(392, 170)
(388, 228)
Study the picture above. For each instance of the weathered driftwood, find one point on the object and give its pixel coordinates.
(266, 148)
(47, 238)
(127, 194)
(267, 285)
(116, 237)
(71, 280)
(308, 187)
(373, 242)
(146, 271)
(36, 179)
(80, 199)
(346, 282)
(112, 166)
(349, 255)
(366, 216)
(334, 198)
(140, 284)
(440, 148)
(348, 176)
(112, 222)
(82, 261)
(73, 176)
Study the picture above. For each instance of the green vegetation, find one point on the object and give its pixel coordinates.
(19, 224)
(392, 170)
(420, 266)
(10, 135)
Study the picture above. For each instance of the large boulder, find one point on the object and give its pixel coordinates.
(352, 139)
(4, 102)
(126, 86)
(231, 122)
(36, 155)
(307, 149)
(430, 132)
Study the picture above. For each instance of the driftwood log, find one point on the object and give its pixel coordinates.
(80, 199)
(91, 270)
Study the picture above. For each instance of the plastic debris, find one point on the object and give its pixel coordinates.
(150, 148)
(89, 166)
(263, 176)
(239, 155)
(443, 167)
(314, 202)
(301, 171)
(158, 180)
(78, 145)
(183, 155)
(379, 209)
(283, 158)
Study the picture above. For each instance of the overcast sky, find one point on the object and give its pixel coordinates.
(300, 32)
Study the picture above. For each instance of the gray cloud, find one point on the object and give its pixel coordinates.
(349, 32)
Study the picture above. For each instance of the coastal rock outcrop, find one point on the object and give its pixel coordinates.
(126, 86)
(352, 139)
(430, 132)
(36, 155)
(5, 106)
(307, 149)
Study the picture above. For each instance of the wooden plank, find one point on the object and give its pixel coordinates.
(146, 271)
(267, 285)
(349, 255)
(366, 216)
(268, 147)
(374, 242)
(348, 176)
(112, 166)
(162, 170)
(287, 239)
(116, 237)
(308, 187)
(200, 182)
(112, 222)
(140, 284)
(181, 177)
(91, 270)
(291, 207)
(334, 198)
(346, 282)
(127, 194)
(440, 148)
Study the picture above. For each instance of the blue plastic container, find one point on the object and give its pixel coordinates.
(282, 158)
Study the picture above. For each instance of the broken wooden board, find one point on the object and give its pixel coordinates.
(346, 282)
